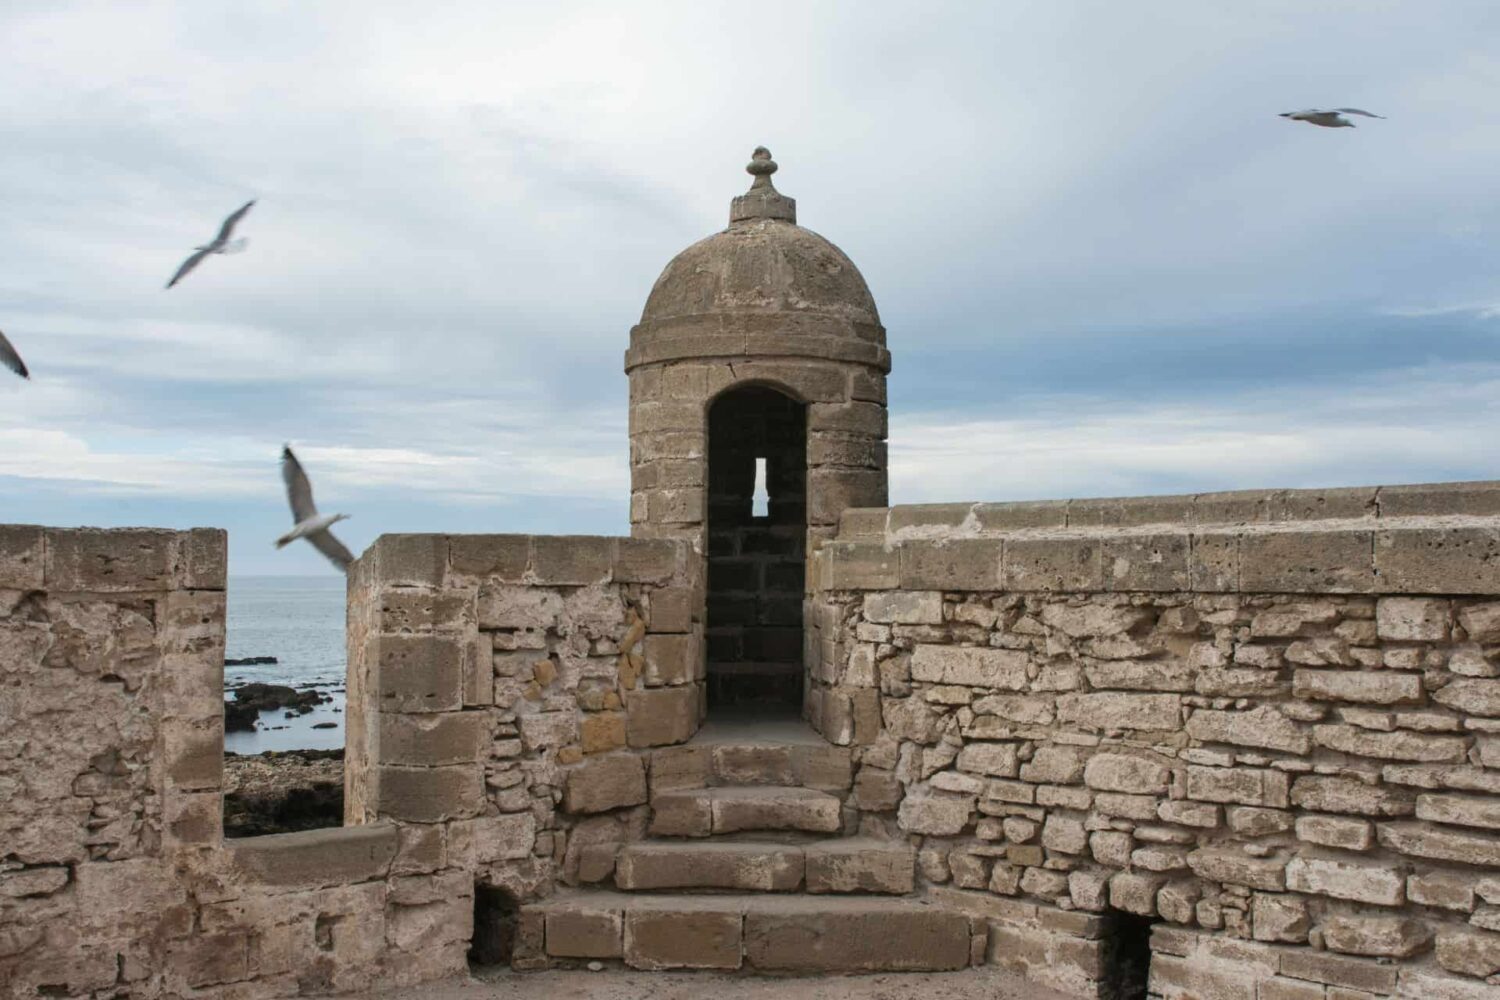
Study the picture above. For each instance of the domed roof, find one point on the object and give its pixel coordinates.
(764, 262)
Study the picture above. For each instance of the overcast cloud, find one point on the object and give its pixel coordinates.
(1105, 265)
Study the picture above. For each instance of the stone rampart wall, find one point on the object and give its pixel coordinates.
(506, 680)
(482, 670)
(1269, 723)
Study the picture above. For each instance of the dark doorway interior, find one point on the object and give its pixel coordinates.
(496, 915)
(756, 557)
(1127, 956)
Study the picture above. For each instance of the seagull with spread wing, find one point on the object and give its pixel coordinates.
(1327, 119)
(309, 523)
(222, 243)
(10, 359)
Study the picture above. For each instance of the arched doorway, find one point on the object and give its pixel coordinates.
(756, 552)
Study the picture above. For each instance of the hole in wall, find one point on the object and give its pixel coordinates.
(496, 915)
(1127, 956)
(760, 506)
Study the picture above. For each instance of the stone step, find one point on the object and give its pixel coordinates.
(702, 812)
(817, 765)
(857, 864)
(764, 933)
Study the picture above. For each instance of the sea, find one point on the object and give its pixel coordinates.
(300, 621)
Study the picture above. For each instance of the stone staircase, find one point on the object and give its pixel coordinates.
(752, 862)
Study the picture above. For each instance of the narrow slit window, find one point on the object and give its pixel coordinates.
(761, 505)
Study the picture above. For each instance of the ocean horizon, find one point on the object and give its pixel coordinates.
(300, 621)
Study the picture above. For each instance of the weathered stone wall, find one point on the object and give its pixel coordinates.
(1268, 722)
(484, 671)
(506, 681)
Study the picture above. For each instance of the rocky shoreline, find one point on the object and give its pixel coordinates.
(279, 792)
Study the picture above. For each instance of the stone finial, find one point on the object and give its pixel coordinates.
(762, 201)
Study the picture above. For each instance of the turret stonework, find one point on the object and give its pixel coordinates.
(761, 342)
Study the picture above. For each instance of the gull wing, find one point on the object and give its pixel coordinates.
(227, 229)
(331, 547)
(10, 359)
(298, 489)
(1356, 111)
(189, 264)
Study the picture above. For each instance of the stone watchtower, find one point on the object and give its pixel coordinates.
(759, 360)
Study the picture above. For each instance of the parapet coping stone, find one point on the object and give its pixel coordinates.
(313, 858)
(1235, 508)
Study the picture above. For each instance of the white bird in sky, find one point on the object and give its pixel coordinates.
(221, 244)
(1327, 119)
(10, 359)
(309, 523)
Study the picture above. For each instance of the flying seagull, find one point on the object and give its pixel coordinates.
(221, 244)
(10, 359)
(309, 523)
(1327, 119)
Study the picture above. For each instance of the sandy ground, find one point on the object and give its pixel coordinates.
(615, 984)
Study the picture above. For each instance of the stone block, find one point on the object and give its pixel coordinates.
(1306, 562)
(1135, 892)
(1376, 936)
(999, 759)
(1276, 916)
(1450, 890)
(1117, 710)
(433, 738)
(1344, 878)
(1242, 786)
(938, 815)
(117, 560)
(430, 794)
(580, 930)
(660, 716)
(737, 809)
(860, 865)
(1228, 864)
(857, 936)
(601, 783)
(194, 754)
(1448, 560)
(1371, 687)
(673, 609)
(1126, 773)
(1157, 562)
(1468, 951)
(1461, 810)
(904, 607)
(681, 767)
(1214, 562)
(308, 859)
(1335, 793)
(683, 936)
(204, 560)
(1422, 841)
(22, 557)
(1142, 675)
(1398, 745)
(863, 522)
(601, 732)
(572, 560)
(1473, 696)
(502, 558)
(859, 566)
(1064, 834)
(950, 564)
(1262, 726)
(508, 837)
(1021, 514)
(419, 673)
(411, 560)
(1342, 832)
(681, 813)
(1053, 564)
(975, 666)
(1412, 619)
(1338, 970)
(672, 659)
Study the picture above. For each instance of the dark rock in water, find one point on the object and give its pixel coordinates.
(249, 661)
(282, 792)
(251, 699)
(325, 725)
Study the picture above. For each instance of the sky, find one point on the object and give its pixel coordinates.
(1105, 266)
